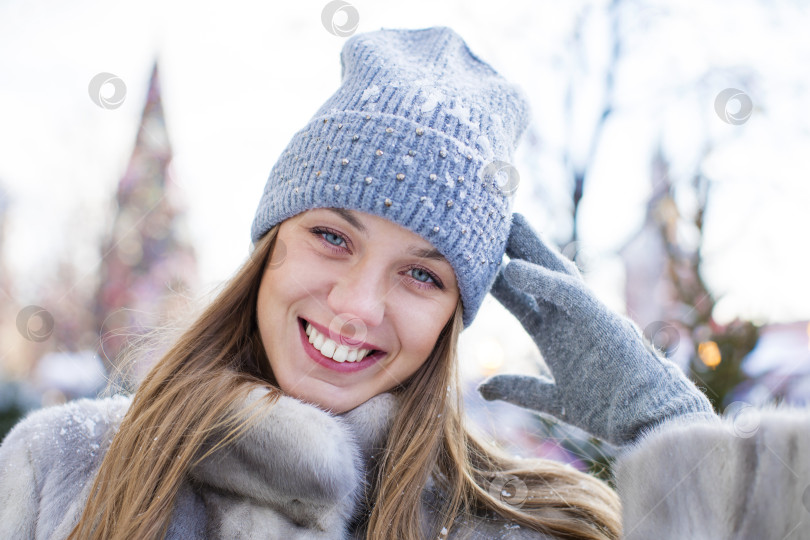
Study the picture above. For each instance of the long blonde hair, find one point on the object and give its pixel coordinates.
(190, 393)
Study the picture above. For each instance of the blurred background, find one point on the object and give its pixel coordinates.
(667, 156)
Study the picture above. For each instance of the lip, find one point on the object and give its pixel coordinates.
(344, 367)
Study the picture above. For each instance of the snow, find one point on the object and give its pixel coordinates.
(485, 147)
(90, 426)
(370, 92)
(462, 113)
(431, 100)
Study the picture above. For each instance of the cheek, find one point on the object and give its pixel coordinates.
(419, 331)
(287, 288)
(294, 277)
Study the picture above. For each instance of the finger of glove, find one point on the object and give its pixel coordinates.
(527, 391)
(520, 304)
(566, 292)
(524, 243)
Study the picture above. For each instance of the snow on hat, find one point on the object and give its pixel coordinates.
(416, 133)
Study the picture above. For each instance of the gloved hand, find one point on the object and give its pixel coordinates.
(608, 380)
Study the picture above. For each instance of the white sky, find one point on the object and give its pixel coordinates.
(239, 78)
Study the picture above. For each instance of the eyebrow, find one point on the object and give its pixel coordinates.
(348, 216)
(422, 253)
(426, 253)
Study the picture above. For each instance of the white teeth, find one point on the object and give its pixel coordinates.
(330, 349)
(318, 342)
(341, 354)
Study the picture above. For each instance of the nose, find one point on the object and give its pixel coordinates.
(360, 291)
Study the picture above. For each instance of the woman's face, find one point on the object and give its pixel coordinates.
(351, 282)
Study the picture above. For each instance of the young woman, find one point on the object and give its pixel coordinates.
(317, 396)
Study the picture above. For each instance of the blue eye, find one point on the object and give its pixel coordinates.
(420, 273)
(332, 238)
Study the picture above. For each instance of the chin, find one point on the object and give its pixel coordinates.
(331, 403)
(339, 406)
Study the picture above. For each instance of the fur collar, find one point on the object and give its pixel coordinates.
(296, 462)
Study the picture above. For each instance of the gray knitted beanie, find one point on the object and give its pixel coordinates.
(420, 132)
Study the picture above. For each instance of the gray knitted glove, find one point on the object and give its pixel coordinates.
(607, 379)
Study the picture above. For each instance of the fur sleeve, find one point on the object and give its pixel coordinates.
(47, 463)
(745, 476)
(18, 488)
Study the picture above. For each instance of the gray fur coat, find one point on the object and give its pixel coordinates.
(299, 473)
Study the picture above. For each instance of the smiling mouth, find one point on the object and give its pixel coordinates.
(338, 352)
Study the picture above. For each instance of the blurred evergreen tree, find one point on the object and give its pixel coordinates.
(148, 261)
